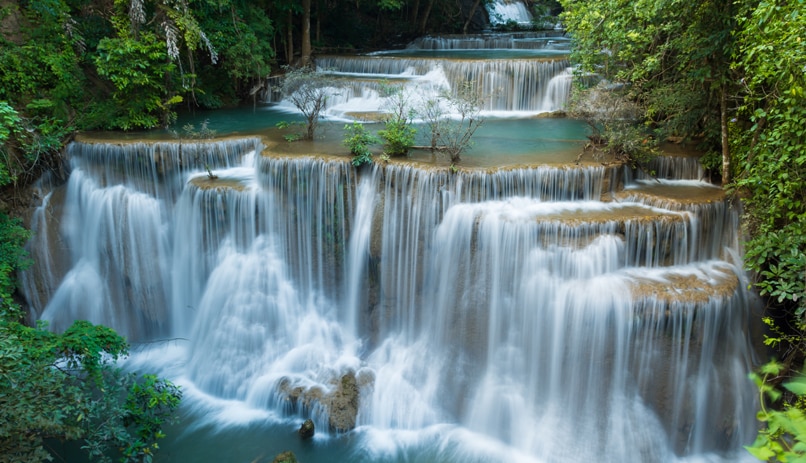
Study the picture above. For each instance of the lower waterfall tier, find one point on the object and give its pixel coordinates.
(563, 313)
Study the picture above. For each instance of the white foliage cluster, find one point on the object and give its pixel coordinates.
(209, 45)
(171, 35)
(137, 12)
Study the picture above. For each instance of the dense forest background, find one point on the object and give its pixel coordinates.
(724, 75)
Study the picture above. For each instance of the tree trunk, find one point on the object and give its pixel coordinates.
(318, 30)
(470, 16)
(414, 13)
(723, 122)
(426, 13)
(289, 41)
(306, 32)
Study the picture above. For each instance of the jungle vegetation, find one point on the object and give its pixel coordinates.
(728, 76)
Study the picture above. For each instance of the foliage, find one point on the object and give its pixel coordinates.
(773, 149)
(291, 136)
(783, 435)
(788, 341)
(307, 89)
(65, 386)
(398, 133)
(673, 59)
(358, 140)
(245, 53)
(12, 256)
(138, 70)
(614, 122)
(204, 131)
(142, 60)
(40, 81)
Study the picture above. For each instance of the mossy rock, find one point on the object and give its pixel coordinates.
(286, 457)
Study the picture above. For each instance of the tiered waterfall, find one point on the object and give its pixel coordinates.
(539, 313)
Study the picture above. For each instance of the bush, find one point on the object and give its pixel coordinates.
(358, 139)
(397, 134)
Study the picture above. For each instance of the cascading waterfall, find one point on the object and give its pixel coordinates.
(505, 85)
(543, 314)
(519, 41)
(512, 305)
(503, 11)
(115, 259)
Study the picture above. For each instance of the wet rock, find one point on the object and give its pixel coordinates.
(341, 403)
(285, 457)
(344, 404)
(306, 431)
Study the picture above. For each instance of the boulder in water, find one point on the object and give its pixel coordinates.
(344, 404)
(306, 431)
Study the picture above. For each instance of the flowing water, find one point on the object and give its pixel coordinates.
(521, 308)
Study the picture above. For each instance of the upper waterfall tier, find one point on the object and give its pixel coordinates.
(516, 40)
(504, 11)
(506, 85)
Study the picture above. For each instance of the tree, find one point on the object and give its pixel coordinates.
(358, 140)
(142, 63)
(305, 59)
(245, 53)
(41, 83)
(673, 58)
(771, 143)
(307, 89)
(463, 119)
(614, 121)
(66, 386)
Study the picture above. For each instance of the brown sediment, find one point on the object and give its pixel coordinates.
(207, 183)
(675, 287)
(674, 193)
(634, 214)
(130, 138)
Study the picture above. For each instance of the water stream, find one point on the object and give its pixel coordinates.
(521, 308)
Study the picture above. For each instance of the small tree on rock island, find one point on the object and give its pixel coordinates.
(453, 128)
(614, 121)
(307, 89)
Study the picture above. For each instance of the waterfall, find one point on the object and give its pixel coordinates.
(533, 313)
(503, 11)
(558, 91)
(506, 85)
(544, 40)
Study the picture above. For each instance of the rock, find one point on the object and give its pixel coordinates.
(285, 457)
(306, 431)
(344, 404)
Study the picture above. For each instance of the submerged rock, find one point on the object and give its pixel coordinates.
(285, 457)
(307, 430)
